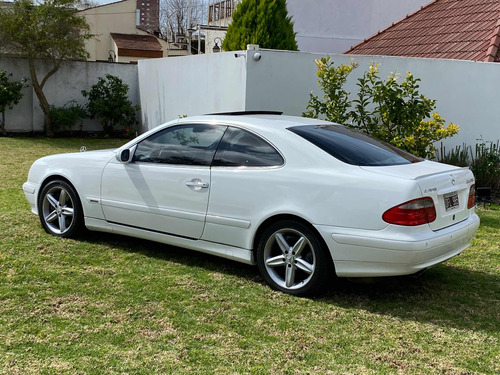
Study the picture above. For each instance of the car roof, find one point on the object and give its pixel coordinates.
(261, 122)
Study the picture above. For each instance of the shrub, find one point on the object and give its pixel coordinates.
(486, 165)
(108, 102)
(459, 156)
(10, 95)
(388, 110)
(67, 116)
(335, 101)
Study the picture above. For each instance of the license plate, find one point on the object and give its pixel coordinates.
(451, 201)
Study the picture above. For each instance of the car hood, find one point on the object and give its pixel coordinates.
(97, 155)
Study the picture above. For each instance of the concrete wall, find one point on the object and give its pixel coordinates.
(466, 92)
(65, 85)
(189, 85)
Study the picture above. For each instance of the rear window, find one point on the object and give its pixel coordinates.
(353, 147)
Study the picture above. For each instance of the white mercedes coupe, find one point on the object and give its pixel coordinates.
(302, 198)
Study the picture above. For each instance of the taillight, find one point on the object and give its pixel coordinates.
(471, 202)
(415, 212)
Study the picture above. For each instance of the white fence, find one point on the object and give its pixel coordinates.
(65, 85)
(467, 93)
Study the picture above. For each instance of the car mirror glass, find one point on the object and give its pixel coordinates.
(125, 156)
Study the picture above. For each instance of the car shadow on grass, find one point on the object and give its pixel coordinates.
(445, 295)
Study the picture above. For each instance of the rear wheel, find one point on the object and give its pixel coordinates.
(60, 210)
(292, 259)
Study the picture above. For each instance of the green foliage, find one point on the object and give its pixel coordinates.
(484, 161)
(458, 156)
(486, 165)
(331, 80)
(67, 116)
(262, 22)
(10, 95)
(49, 30)
(388, 110)
(108, 101)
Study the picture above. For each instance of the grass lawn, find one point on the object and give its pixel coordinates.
(110, 304)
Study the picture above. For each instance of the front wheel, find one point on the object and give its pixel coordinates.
(292, 259)
(60, 210)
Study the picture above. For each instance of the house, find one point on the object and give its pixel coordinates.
(220, 15)
(444, 29)
(322, 26)
(127, 31)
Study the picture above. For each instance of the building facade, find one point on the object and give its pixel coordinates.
(126, 31)
(324, 26)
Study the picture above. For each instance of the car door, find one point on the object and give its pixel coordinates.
(166, 186)
(246, 174)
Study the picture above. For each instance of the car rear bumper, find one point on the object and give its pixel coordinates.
(395, 250)
(30, 191)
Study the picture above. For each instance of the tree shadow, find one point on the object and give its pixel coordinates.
(445, 295)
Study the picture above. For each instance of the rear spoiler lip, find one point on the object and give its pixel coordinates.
(442, 172)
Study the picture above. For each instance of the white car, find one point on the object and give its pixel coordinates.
(302, 198)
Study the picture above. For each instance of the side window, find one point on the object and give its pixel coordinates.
(240, 148)
(192, 144)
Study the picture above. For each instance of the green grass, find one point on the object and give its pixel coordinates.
(110, 304)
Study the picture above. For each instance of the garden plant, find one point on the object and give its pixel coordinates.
(390, 110)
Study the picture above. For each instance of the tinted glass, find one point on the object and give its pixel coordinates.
(184, 144)
(353, 147)
(240, 148)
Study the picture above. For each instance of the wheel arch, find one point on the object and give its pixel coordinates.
(59, 177)
(281, 217)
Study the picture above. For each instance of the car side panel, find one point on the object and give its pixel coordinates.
(82, 170)
(242, 198)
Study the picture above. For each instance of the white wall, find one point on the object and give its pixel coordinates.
(466, 92)
(333, 26)
(190, 85)
(65, 85)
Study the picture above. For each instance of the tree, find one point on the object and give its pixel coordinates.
(388, 110)
(177, 16)
(108, 102)
(10, 95)
(48, 31)
(262, 22)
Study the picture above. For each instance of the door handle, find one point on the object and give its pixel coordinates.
(197, 184)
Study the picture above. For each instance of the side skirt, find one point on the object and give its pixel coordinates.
(224, 251)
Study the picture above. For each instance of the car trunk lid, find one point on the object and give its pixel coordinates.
(447, 185)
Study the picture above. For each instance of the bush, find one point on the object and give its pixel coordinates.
(486, 165)
(10, 95)
(108, 102)
(388, 110)
(67, 116)
(460, 156)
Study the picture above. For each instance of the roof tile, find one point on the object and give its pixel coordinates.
(136, 42)
(451, 29)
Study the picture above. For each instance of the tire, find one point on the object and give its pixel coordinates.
(60, 210)
(292, 259)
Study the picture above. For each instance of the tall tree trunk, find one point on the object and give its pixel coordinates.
(38, 87)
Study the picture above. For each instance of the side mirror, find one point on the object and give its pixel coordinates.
(125, 156)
